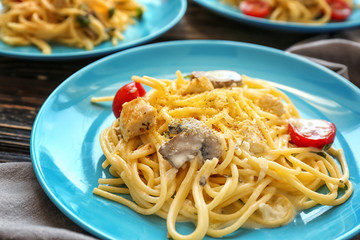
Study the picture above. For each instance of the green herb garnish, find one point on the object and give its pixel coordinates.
(83, 20)
(321, 154)
(111, 12)
(139, 13)
(327, 147)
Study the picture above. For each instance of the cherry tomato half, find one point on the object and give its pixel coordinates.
(312, 133)
(340, 10)
(125, 94)
(255, 8)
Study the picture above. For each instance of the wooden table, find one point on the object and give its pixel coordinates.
(25, 84)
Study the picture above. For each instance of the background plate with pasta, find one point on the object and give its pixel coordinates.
(160, 16)
(231, 12)
(67, 157)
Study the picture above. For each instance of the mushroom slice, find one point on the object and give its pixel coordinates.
(220, 78)
(181, 148)
(192, 138)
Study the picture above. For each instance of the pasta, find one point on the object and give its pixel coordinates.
(260, 179)
(76, 23)
(301, 11)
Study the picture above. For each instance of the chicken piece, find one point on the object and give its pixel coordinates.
(193, 138)
(220, 78)
(252, 138)
(198, 85)
(271, 104)
(136, 118)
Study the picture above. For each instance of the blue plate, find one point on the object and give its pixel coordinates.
(67, 156)
(231, 12)
(159, 17)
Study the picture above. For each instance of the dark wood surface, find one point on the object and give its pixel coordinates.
(25, 84)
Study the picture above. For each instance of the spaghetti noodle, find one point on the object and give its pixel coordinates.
(78, 23)
(260, 179)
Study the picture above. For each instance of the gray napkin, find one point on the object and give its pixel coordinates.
(25, 210)
(341, 54)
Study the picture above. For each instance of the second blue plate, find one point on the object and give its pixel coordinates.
(231, 12)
